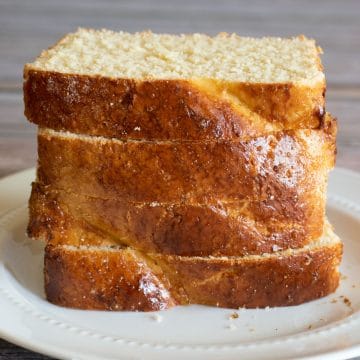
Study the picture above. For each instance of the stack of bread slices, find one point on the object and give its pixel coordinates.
(181, 170)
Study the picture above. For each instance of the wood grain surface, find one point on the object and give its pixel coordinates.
(27, 27)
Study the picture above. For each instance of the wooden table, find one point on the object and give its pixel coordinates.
(27, 27)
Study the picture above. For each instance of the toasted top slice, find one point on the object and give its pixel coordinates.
(146, 55)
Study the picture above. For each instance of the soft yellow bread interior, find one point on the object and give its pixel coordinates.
(145, 55)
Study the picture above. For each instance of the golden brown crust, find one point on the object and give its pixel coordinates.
(236, 229)
(101, 279)
(289, 167)
(168, 109)
(275, 281)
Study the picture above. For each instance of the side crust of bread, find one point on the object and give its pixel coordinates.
(168, 109)
(234, 229)
(103, 280)
(288, 167)
(123, 279)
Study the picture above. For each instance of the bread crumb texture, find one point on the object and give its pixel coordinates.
(145, 55)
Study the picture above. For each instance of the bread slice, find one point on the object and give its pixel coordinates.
(158, 87)
(290, 166)
(116, 278)
(235, 229)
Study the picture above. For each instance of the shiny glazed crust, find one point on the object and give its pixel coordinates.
(123, 279)
(104, 280)
(168, 109)
(235, 229)
(289, 167)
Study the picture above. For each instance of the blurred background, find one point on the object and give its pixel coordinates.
(27, 27)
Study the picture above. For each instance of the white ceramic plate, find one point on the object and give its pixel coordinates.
(327, 328)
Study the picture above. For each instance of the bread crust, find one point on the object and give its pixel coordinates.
(275, 281)
(235, 229)
(106, 281)
(290, 167)
(168, 109)
(97, 278)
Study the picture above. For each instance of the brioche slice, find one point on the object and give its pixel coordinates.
(235, 229)
(115, 278)
(290, 166)
(170, 87)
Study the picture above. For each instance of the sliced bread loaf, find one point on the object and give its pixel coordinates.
(150, 86)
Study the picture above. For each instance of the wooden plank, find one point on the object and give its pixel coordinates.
(29, 27)
(17, 136)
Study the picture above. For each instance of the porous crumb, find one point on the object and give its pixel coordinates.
(162, 56)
